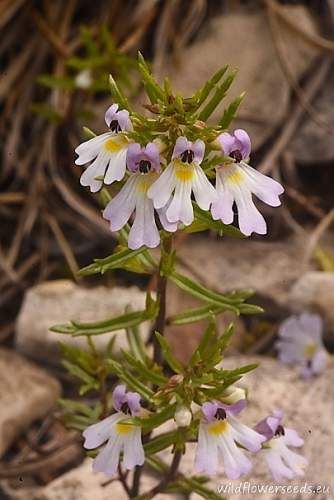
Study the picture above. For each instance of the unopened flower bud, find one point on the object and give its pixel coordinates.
(84, 80)
(182, 416)
(233, 394)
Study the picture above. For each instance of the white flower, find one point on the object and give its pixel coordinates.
(107, 152)
(182, 177)
(301, 343)
(120, 437)
(282, 462)
(237, 181)
(182, 416)
(144, 163)
(219, 434)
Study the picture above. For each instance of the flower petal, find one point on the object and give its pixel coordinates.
(247, 437)
(97, 434)
(116, 168)
(203, 190)
(133, 154)
(96, 169)
(110, 114)
(206, 457)
(265, 188)
(89, 150)
(250, 219)
(144, 230)
(222, 207)
(181, 209)
(119, 396)
(235, 462)
(243, 142)
(161, 190)
(227, 142)
(120, 208)
(133, 449)
(108, 459)
(181, 145)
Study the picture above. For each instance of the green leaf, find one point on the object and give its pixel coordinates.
(144, 371)
(88, 133)
(196, 314)
(160, 442)
(121, 322)
(173, 363)
(203, 221)
(200, 96)
(153, 90)
(230, 112)
(136, 344)
(118, 94)
(130, 380)
(117, 260)
(203, 293)
(218, 96)
(78, 372)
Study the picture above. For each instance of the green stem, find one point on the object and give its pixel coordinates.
(160, 322)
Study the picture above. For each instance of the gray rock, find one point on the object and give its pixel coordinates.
(314, 291)
(82, 484)
(56, 302)
(269, 268)
(27, 393)
(233, 39)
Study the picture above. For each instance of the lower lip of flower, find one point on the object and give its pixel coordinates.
(218, 428)
(184, 172)
(235, 177)
(124, 428)
(113, 145)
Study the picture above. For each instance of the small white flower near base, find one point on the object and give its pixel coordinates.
(282, 462)
(182, 177)
(120, 437)
(106, 152)
(236, 182)
(219, 434)
(301, 344)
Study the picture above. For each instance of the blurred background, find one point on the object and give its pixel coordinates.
(55, 58)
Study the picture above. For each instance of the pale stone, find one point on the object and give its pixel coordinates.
(234, 38)
(83, 484)
(269, 268)
(314, 291)
(27, 393)
(58, 302)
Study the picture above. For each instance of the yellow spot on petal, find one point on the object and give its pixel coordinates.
(184, 172)
(124, 428)
(115, 144)
(146, 181)
(310, 350)
(236, 177)
(218, 427)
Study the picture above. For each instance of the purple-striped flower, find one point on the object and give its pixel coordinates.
(144, 165)
(120, 437)
(301, 343)
(182, 177)
(219, 434)
(236, 181)
(282, 462)
(107, 152)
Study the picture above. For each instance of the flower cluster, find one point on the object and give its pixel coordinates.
(301, 344)
(167, 185)
(221, 438)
